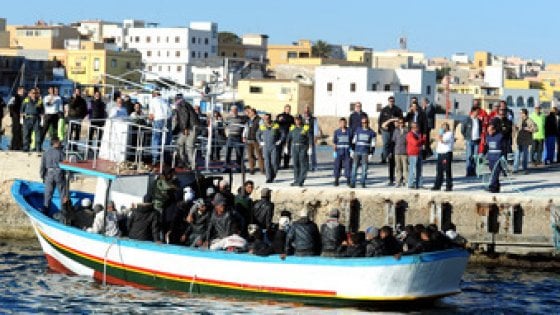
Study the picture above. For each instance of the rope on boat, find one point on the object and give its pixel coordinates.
(105, 261)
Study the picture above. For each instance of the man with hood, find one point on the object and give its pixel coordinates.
(263, 210)
(304, 236)
(332, 235)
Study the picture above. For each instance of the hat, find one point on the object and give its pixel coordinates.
(219, 199)
(372, 231)
(334, 213)
(86, 202)
(303, 212)
(265, 192)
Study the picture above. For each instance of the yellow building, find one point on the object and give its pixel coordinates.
(363, 55)
(272, 95)
(280, 54)
(41, 36)
(482, 59)
(521, 84)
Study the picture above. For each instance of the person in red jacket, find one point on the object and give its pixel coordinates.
(414, 142)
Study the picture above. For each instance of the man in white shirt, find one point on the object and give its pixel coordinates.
(53, 107)
(159, 113)
(118, 111)
(444, 151)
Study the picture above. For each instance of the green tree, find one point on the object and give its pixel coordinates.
(321, 49)
(228, 38)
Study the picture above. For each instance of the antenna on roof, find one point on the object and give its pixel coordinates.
(402, 42)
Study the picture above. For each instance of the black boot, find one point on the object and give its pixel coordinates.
(336, 181)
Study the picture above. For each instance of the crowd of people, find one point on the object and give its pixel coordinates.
(214, 218)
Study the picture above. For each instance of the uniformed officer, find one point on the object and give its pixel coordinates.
(494, 149)
(364, 143)
(299, 138)
(31, 110)
(270, 138)
(342, 146)
(52, 174)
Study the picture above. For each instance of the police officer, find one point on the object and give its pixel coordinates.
(494, 150)
(299, 138)
(342, 145)
(52, 175)
(286, 121)
(364, 143)
(31, 110)
(270, 138)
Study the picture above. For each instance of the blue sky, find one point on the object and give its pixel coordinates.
(439, 28)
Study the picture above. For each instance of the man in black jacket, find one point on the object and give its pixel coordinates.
(304, 236)
(14, 107)
(430, 112)
(388, 112)
(332, 235)
(355, 119)
(285, 120)
(263, 210)
(220, 225)
(77, 110)
(187, 121)
(144, 223)
(98, 114)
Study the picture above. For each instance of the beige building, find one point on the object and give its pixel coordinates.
(4, 34)
(272, 95)
(41, 36)
(280, 54)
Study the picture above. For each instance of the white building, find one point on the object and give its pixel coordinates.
(517, 99)
(460, 58)
(168, 52)
(494, 75)
(337, 88)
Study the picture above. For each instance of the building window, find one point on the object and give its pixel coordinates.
(352, 87)
(234, 54)
(205, 55)
(159, 68)
(520, 102)
(255, 89)
(78, 64)
(113, 63)
(168, 68)
(179, 68)
(128, 65)
(167, 39)
(149, 53)
(403, 88)
(158, 39)
(137, 39)
(96, 63)
(199, 40)
(178, 53)
(177, 39)
(429, 90)
(530, 102)
(193, 54)
(329, 87)
(193, 40)
(285, 90)
(159, 53)
(150, 68)
(223, 54)
(148, 39)
(168, 53)
(292, 54)
(387, 87)
(206, 41)
(374, 87)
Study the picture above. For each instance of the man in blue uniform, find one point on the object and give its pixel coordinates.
(364, 144)
(299, 137)
(52, 175)
(270, 138)
(494, 149)
(342, 146)
(31, 110)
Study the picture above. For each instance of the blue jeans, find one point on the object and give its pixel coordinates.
(471, 152)
(157, 137)
(386, 137)
(522, 152)
(313, 156)
(550, 149)
(360, 159)
(415, 172)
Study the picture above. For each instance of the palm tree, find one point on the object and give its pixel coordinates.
(321, 49)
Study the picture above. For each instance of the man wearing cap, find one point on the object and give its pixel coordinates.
(220, 223)
(164, 189)
(304, 236)
(270, 137)
(159, 113)
(299, 137)
(198, 218)
(332, 235)
(342, 141)
(263, 210)
(51, 174)
(538, 136)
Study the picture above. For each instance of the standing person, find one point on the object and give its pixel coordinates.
(52, 175)
(128, 104)
(32, 109)
(444, 152)
(234, 132)
(311, 121)
(286, 121)
(187, 120)
(494, 150)
(14, 106)
(342, 146)
(269, 137)
(506, 117)
(538, 136)
(391, 150)
(388, 112)
(399, 150)
(299, 138)
(417, 115)
(118, 111)
(2, 106)
(355, 119)
(430, 112)
(263, 210)
(550, 132)
(97, 117)
(364, 147)
(159, 114)
(471, 129)
(525, 130)
(414, 142)
(53, 105)
(333, 233)
(77, 111)
(164, 190)
(218, 135)
(303, 236)
(254, 150)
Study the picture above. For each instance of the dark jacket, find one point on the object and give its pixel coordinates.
(387, 113)
(199, 225)
(357, 250)
(186, 117)
(374, 248)
(279, 242)
(253, 127)
(332, 235)
(421, 120)
(551, 126)
(263, 211)
(98, 109)
(413, 244)
(355, 119)
(503, 125)
(219, 226)
(525, 137)
(144, 224)
(77, 108)
(466, 128)
(304, 236)
(129, 105)
(430, 116)
(285, 121)
(261, 248)
(15, 106)
(398, 142)
(390, 246)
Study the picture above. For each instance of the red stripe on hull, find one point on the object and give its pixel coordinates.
(57, 266)
(116, 281)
